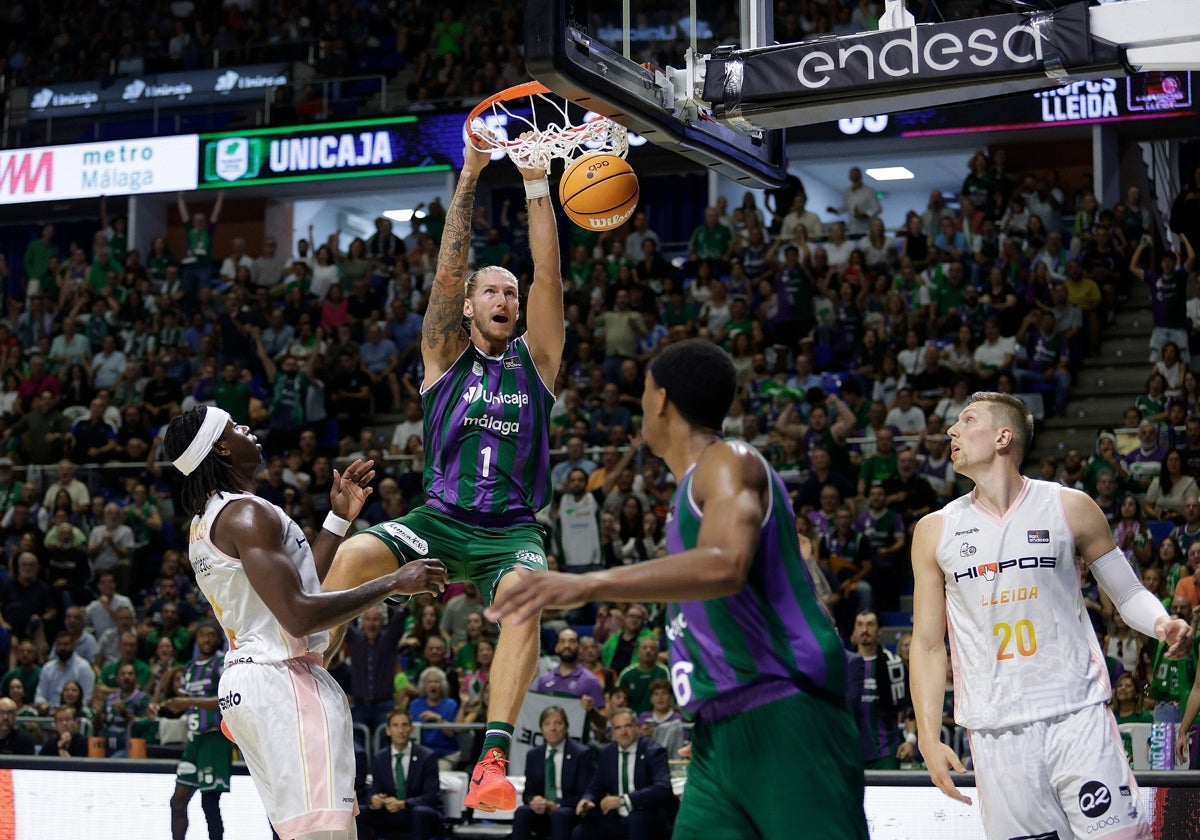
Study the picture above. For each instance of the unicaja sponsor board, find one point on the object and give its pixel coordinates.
(90, 170)
(132, 93)
(357, 149)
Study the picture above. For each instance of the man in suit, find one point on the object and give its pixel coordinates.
(406, 796)
(551, 797)
(630, 795)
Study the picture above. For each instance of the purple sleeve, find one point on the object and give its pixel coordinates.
(596, 691)
(898, 526)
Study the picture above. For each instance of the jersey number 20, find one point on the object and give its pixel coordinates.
(1025, 637)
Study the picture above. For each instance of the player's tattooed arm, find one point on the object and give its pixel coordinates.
(444, 315)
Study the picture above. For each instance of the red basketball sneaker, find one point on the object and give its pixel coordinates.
(490, 790)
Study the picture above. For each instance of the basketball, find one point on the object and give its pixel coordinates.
(599, 191)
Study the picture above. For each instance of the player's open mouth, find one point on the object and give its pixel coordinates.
(499, 319)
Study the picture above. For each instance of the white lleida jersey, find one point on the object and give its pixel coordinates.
(1021, 643)
(254, 632)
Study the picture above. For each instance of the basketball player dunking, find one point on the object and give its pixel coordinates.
(487, 403)
(290, 719)
(998, 566)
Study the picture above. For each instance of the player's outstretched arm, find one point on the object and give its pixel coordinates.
(253, 527)
(732, 488)
(1139, 608)
(927, 657)
(546, 334)
(442, 335)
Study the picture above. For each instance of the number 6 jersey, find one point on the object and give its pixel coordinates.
(1021, 643)
(774, 634)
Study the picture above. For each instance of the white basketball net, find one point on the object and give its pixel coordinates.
(533, 146)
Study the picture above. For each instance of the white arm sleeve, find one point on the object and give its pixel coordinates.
(1140, 609)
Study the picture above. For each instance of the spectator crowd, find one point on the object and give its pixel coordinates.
(856, 347)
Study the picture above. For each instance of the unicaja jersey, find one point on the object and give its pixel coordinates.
(774, 630)
(200, 679)
(255, 635)
(1021, 643)
(487, 432)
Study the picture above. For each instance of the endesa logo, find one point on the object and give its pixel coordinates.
(989, 571)
(919, 51)
(230, 700)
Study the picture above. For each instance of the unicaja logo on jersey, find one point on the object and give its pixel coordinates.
(478, 392)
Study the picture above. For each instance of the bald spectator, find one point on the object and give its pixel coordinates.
(28, 601)
(238, 258)
(81, 499)
(14, 740)
(637, 677)
(908, 493)
(1145, 462)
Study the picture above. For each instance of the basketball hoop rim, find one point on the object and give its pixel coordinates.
(515, 92)
(566, 137)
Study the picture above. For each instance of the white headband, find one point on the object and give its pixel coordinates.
(215, 420)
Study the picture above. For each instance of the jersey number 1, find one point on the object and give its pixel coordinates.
(486, 454)
(1026, 638)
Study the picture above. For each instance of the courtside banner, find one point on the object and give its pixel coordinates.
(90, 170)
(925, 55)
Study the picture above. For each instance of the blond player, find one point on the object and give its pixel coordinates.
(998, 567)
(290, 719)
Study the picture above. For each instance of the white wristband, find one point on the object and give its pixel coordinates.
(911, 738)
(537, 189)
(335, 524)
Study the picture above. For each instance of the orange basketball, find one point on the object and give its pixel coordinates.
(599, 191)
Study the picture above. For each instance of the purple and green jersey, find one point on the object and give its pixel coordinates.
(487, 432)
(201, 679)
(774, 636)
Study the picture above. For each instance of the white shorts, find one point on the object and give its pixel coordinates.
(292, 725)
(1059, 778)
